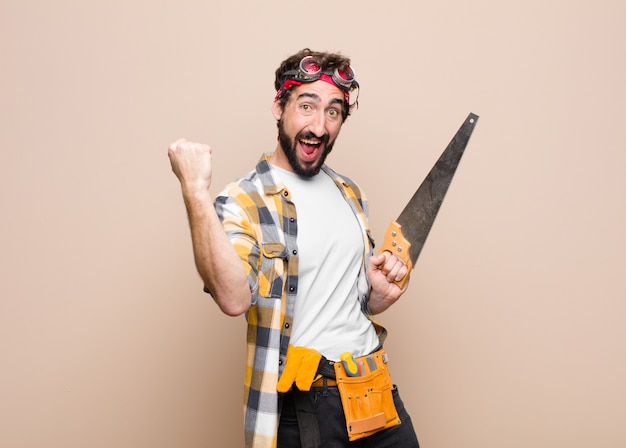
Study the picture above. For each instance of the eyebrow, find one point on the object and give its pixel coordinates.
(317, 97)
(309, 95)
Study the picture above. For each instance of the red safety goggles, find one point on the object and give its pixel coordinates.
(310, 70)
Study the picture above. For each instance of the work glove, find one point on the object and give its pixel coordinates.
(300, 368)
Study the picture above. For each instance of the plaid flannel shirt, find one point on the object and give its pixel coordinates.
(260, 220)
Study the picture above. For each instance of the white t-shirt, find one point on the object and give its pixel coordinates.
(327, 315)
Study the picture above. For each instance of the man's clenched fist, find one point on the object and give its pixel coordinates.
(191, 162)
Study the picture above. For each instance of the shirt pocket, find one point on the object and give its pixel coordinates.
(272, 269)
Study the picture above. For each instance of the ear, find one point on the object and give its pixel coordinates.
(277, 109)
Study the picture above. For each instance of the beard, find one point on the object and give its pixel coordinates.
(290, 146)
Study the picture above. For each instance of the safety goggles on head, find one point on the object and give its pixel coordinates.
(310, 70)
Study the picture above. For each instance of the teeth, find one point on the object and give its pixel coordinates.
(309, 142)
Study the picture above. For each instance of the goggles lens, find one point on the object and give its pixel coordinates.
(310, 68)
(346, 76)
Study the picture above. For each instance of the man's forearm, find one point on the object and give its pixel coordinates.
(216, 260)
(377, 304)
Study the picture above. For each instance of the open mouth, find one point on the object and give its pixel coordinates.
(310, 147)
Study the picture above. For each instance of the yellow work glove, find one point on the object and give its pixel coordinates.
(300, 368)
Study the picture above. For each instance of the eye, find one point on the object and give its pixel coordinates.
(306, 108)
(334, 113)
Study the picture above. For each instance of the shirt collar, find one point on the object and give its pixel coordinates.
(271, 183)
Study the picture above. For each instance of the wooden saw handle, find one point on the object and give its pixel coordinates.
(399, 246)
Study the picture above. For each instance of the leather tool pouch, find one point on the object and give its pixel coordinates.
(367, 399)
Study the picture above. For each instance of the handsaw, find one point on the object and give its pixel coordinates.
(406, 236)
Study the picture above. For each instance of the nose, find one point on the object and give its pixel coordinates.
(317, 124)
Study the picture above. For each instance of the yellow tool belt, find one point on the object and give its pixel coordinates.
(366, 394)
(364, 385)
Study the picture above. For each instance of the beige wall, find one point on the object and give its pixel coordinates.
(512, 333)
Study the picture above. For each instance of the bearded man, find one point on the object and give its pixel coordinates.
(289, 246)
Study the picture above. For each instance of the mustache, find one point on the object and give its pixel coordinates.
(311, 136)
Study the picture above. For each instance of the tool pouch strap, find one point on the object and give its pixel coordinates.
(307, 419)
(367, 399)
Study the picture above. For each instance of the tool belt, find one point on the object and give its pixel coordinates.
(366, 396)
(364, 385)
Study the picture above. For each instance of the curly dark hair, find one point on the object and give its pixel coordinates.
(328, 61)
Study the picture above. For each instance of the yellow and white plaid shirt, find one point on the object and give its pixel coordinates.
(261, 222)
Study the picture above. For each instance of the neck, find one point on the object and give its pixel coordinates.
(279, 159)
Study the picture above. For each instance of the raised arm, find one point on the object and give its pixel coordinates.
(216, 260)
